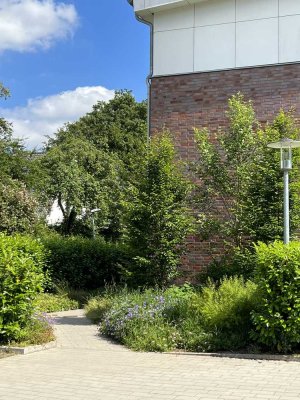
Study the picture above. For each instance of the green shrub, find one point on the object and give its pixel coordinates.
(38, 330)
(180, 317)
(185, 315)
(239, 262)
(277, 322)
(226, 312)
(21, 278)
(86, 263)
(48, 302)
(216, 318)
(96, 307)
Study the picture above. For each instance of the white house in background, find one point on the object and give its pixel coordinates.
(203, 52)
(55, 215)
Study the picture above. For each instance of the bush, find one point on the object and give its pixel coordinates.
(212, 320)
(46, 302)
(226, 312)
(38, 330)
(96, 307)
(277, 322)
(217, 318)
(21, 278)
(239, 262)
(86, 263)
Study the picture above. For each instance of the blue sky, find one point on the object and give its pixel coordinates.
(60, 57)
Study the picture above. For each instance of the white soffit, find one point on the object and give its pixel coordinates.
(147, 7)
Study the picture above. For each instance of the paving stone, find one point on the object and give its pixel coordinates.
(85, 366)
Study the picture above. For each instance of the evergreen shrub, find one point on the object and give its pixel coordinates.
(22, 260)
(238, 262)
(277, 322)
(86, 263)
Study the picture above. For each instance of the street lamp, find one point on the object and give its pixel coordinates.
(93, 220)
(286, 145)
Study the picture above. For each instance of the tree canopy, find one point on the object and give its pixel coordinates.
(158, 220)
(89, 163)
(17, 204)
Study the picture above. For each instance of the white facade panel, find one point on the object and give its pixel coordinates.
(177, 18)
(257, 42)
(214, 12)
(247, 10)
(203, 35)
(214, 47)
(289, 7)
(289, 43)
(173, 51)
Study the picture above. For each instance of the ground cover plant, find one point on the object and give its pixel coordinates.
(213, 319)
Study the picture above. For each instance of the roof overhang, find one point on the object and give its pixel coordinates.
(148, 7)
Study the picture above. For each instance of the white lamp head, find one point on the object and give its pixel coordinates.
(285, 145)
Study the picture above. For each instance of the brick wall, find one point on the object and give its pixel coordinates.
(182, 102)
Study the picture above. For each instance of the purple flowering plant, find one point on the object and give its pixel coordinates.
(134, 309)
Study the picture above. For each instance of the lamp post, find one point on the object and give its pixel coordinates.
(93, 220)
(286, 145)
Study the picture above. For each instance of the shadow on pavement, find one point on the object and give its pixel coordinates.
(72, 320)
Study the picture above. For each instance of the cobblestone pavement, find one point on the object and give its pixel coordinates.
(86, 367)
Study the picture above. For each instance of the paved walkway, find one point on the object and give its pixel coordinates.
(86, 367)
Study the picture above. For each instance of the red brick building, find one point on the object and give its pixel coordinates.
(203, 52)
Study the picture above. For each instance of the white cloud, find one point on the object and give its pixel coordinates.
(26, 25)
(43, 116)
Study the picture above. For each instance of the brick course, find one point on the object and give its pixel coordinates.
(181, 102)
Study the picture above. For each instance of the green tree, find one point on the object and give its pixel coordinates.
(17, 205)
(5, 127)
(240, 195)
(264, 200)
(118, 126)
(79, 176)
(90, 163)
(18, 208)
(158, 219)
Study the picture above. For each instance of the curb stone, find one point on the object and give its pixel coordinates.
(263, 357)
(28, 349)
